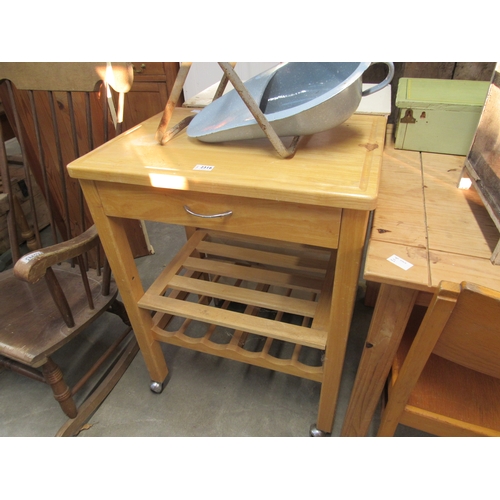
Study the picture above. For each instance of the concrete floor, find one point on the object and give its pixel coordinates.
(204, 395)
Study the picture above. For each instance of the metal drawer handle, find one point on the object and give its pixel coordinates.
(215, 216)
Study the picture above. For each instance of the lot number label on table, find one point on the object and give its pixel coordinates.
(403, 264)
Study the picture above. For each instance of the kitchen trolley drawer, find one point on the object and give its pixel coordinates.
(294, 222)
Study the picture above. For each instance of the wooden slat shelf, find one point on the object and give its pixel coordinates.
(251, 303)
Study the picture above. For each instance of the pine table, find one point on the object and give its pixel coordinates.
(424, 230)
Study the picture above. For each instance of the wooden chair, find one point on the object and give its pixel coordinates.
(446, 378)
(53, 293)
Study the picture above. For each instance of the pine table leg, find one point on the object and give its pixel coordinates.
(390, 317)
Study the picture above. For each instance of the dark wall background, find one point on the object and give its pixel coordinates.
(481, 71)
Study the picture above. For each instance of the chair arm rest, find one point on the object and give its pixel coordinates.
(32, 266)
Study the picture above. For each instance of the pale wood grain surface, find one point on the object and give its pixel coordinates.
(445, 232)
(336, 168)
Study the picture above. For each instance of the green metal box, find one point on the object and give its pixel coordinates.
(438, 116)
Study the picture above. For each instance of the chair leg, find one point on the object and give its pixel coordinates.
(73, 426)
(62, 392)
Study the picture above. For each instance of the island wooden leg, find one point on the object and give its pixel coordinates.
(117, 248)
(390, 317)
(349, 256)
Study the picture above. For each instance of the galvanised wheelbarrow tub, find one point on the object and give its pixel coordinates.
(297, 98)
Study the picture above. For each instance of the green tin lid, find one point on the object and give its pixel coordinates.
(429, 93)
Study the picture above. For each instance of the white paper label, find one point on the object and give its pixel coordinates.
(204, 167)
(403, 264)
(31, 256)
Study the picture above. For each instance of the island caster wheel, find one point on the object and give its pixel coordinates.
(315, 432)
(156, 387)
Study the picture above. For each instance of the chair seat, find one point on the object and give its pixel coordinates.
(446, 390)
(32, 327)
(455, 392)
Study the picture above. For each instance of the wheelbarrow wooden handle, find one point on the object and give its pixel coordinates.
(163, 135)
(259, 116)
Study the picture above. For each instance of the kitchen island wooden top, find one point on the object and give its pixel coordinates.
(336, 168)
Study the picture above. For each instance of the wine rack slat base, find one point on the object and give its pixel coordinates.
(246, 299)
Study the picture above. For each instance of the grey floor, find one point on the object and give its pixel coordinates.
(203, 395)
